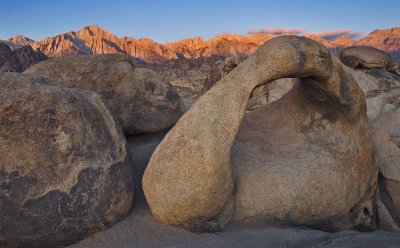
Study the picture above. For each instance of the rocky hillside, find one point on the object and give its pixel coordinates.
(94, 40)
(222, 45)
(21, 40)
(19, 59)
(387, 40)
(343, 41)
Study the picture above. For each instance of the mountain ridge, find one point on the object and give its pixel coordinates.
(95, 40)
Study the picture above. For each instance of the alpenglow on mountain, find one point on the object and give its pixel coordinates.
(94, 40)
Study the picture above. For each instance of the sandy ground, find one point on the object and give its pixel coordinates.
(140, 229)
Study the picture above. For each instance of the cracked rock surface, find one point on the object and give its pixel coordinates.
(64, 169)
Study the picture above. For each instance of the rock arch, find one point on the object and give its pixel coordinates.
(189, 180)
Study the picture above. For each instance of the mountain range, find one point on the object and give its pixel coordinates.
(95, 40)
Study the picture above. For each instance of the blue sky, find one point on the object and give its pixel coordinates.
(172, 20)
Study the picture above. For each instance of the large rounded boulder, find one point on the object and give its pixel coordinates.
(64, 169)
(365, 57)
(305, 159)
(139, 98)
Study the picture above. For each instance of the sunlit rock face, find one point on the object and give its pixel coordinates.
(95, 40)
(277, 162)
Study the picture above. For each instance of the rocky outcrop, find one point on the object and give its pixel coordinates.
(27, 57)
(21, 40)
(313, 140)
(220, 69)
(65, 172)
(385, 133)
(188, 76)
(382, 90)
(8, 60)
(364, 57)
(139, 98)
(19, 59)
(12, 45)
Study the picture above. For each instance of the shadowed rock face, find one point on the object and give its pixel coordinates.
(64, 170)
(8, 61)
(385, 134)
(139, 98)
(19, 59)
(28, 57)
(220, 69)
(364, 57)
(306, 161)
(381, 88)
